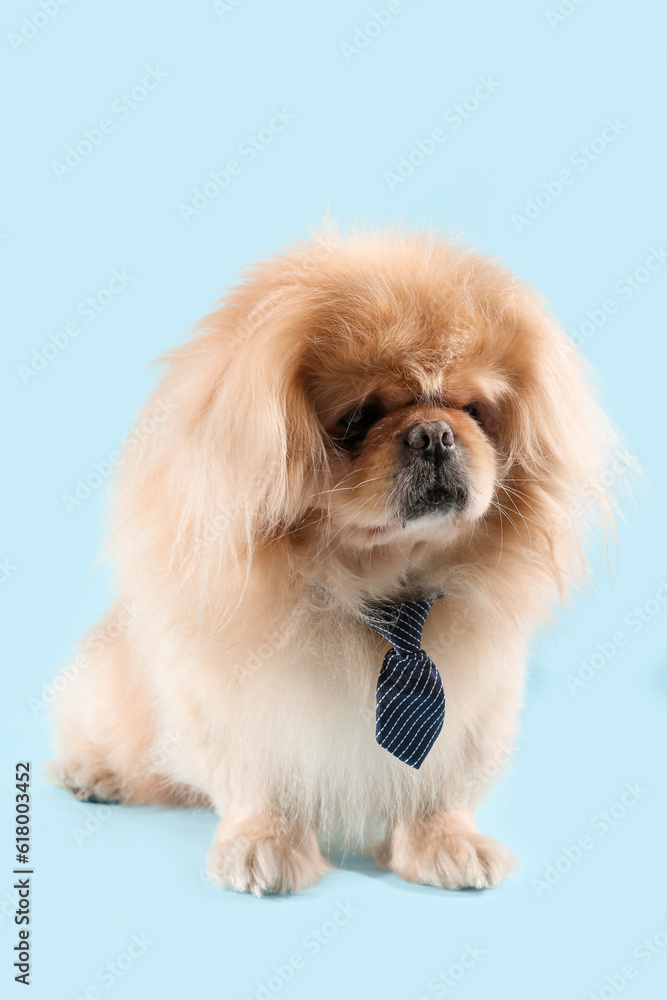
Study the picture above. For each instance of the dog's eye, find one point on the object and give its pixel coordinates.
(352, 426)
(473, 410)
(361, 415)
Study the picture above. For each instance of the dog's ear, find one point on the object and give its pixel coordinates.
(250, 434)
(260, 427)
(559, 445)
(234, 463)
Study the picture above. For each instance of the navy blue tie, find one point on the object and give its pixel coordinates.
(410, 708)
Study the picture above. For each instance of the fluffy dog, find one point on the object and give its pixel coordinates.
(381, 418)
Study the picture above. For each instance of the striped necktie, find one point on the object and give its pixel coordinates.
(410, 708)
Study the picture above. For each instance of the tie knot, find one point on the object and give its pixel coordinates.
(401, 623)
(398, 661)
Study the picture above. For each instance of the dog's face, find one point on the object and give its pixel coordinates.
(404, 460)
(419, 390)
(384, 394)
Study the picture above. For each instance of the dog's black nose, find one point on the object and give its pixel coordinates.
(433, 439)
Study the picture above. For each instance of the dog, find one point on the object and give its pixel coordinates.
(383, 420)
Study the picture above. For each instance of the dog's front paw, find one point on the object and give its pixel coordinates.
(447, 850)
(265, 855)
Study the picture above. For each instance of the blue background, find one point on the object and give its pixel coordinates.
(355, 114)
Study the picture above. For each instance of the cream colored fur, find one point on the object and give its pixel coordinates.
(247, 680)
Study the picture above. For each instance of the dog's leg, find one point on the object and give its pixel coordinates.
(92, 736)
(264, 853)
(107, 746)
(446, 849)
(91, 778)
